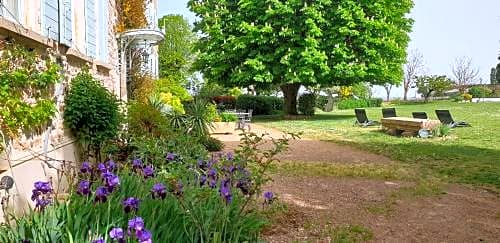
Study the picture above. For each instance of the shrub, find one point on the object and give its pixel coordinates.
(144, 119)
(480, 92)
(225, 102)
(261, 105)
(467, 97)
(228, 117)
(457, 98)
(441, 130)
(199, 119)
(307, 102)
(213, 144)
(321, 101)
(91, 112)
(359, 103)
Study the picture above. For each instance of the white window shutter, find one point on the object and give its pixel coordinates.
(66, 22)
(50, 19)
(90, 28)
(103, 30)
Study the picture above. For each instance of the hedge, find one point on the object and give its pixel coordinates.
(261, 105)
(358, 103)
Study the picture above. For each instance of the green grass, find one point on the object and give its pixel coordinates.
(467, 155)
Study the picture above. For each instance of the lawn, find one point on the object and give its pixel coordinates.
(466, 155)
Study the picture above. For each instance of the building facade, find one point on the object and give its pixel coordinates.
(79, 33)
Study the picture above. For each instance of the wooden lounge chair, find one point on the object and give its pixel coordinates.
(389, 112)
(420, 115)
(362, 119)
(445, 117)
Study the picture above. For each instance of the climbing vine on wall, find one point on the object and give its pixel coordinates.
(131, 14)
(26, 89)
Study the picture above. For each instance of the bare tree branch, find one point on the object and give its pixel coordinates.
(464, 72)
(388, 88)
(414, 66)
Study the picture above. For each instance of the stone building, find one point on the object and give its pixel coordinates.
(79, 33)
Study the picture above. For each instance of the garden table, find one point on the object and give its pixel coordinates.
(241, 123)
(408, 126)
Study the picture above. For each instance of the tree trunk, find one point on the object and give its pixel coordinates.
(290, 92)
(405, 93)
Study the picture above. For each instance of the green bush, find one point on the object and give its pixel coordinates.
(480, 92)
(213, 144)
(307, 103)
(457, 98)
(321, 101)
(261, 105)
(228, 117)
(144, 119)
(441, 130)
(359, 103)
(91, 112)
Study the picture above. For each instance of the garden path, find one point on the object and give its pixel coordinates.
(329, 208)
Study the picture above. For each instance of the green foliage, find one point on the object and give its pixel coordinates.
(457, 98)
(145, 119)
(26, 89)
(261, 105)
(199, 118)
(213, 144)
(480, 92)
(433, 85)
(235, 92)
(441, 131)
(228, 117)
(359, 103)
(211, 89)
(493, 75)
(91, 112)
(307, 103)
(288, 42)
(321, 101)
(498, 73)
(175, 52)
(361, 90)
(211, 112)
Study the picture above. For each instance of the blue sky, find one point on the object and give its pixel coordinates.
(443, 30)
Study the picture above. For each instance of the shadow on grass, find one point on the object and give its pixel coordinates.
(319, 117)
(456, 163)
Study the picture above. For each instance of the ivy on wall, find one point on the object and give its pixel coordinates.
(131, 14)
(26, 89)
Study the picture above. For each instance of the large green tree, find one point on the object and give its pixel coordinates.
(176, 51)
(302, 42)
(433, 85)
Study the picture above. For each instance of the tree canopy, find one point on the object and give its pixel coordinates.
(176, 51)
(433, 85)
(293, 43)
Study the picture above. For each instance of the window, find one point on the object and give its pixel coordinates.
(10, 9)
(90, 28)
(103, 30)
(53, 11)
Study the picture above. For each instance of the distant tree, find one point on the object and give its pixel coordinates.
(295, 43)
(176, 51)
(433, 85)
(493, 76)
(498, 73)
(388, 88)
(464, 72)
(413, 67)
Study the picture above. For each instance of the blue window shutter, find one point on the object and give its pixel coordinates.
(90, 28)
(103, 30)
(51, 19)
(66, 22)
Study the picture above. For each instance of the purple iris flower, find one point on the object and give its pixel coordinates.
(244, 186)
(159, 191)
(130, 204)
(117, 234)
(99, 240)
(212, 173)
(144, 236)
(171, 156)
(111, 180)
(136, 224)
(225, 190)
(83, 187)
(230, 156)
(111, 165)
(268, 197)
(201, 164)
(212, 183)
(137, 164)
(203, 180)
(43, 187)
(42, 202)
(148, 171)
(101, 194)
(86, 167)
(102, 168)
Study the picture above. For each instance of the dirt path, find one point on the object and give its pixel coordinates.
(320, 208)
(316, 206)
